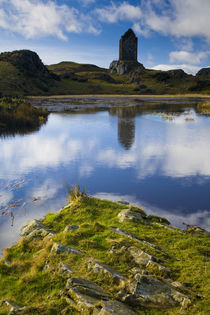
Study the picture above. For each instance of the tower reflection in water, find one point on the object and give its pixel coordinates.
(126, 125)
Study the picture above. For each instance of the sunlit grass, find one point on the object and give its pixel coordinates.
(26, 281)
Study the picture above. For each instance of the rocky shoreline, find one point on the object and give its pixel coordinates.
(99, 257)
(77, 103)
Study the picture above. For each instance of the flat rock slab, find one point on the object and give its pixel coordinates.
(139, 256)
(34, 228)
(94, 289)
(116, 308)
(134, 238)
(86, 294)
(151, 292)
(98, 267)
(59, 248)
(130, 216)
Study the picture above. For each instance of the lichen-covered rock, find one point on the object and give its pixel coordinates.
(139, 256)
(59, 248)
(137, 239)
(98, 267)
(71, 228)
(86, 294)
(34, 228)
(87, 287)
(116, 308)
(14, 308)
(153, 266)
(129, 215)
(151, 292)
(65, 269)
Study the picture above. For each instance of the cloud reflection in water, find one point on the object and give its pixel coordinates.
(156, 160)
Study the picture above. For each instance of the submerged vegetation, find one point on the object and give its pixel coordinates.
(94, 256)
(204, 108)
(18, 116)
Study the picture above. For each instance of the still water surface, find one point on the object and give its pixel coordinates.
(161, 164)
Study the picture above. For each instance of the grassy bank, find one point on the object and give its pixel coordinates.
(47, 270)
(18, 116)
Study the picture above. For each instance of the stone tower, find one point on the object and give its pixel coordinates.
(128, 46)
(127, 62)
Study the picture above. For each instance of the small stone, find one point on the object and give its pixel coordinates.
(141, 273)
(116, 308)
(86, 294)
(102, 268)
(130, 216)
(11, 304)
(59, 248)
(15, 308)
(34, 228)
(63, 268)
(46, 267)
(139, 256)
(71, 228)
(7, 262)
(123, 202)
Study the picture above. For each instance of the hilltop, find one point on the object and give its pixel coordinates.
(99, 257)
(23, 73)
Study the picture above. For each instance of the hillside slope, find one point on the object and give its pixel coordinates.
(100, 257)
(23, 73)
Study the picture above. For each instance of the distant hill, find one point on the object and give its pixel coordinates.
(23, 73)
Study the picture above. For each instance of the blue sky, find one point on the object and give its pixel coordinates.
(172, 33)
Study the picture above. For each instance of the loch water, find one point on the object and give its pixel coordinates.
(158, 160)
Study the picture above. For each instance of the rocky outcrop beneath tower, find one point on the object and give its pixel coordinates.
(122, 67)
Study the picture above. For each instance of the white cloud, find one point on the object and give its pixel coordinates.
(164, 154)
(114, 13)
(184, 43)
(43, 18)
(190, 69)
(47, 190)
(180, 18)
(175, 17)
(188, 57)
